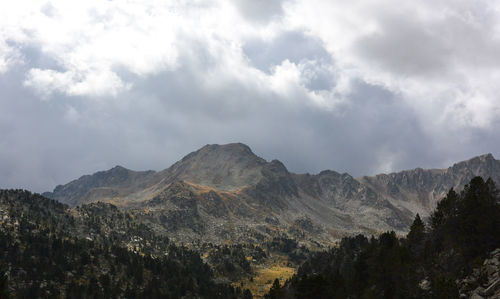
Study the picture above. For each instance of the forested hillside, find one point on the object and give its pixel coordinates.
(442, 259)
(96, 251)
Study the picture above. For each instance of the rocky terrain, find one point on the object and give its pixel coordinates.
(226, 192)
(484, 282)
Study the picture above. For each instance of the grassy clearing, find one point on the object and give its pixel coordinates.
(265, 276)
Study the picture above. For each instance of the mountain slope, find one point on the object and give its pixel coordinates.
(226, 192)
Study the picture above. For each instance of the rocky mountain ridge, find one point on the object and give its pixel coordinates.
(419, 190)
(226, 192)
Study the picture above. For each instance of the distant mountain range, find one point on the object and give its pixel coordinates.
(226, 192)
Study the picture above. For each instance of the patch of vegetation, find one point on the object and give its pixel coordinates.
(230, 261)
(264, 275)
(290, 247)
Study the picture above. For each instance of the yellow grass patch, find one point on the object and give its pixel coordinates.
(264, 278)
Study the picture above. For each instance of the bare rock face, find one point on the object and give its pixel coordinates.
(274, 187)
(222, 192)
(484, 282)
(339, 190)
(419, 190)
(346, 194)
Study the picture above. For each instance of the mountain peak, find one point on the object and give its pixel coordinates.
(118, 167)
(485, 159)
(234, 148)
(227, 167)
(114, 170)
(223, 151)
(482, 158)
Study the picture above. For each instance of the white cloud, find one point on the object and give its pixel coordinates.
(5, 52)
(90, 83)
(442, 54)
(91, 40)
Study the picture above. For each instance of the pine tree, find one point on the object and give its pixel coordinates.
(4, 286)
(417, 231)
(416, 237)
(447, 208)
(275, 290)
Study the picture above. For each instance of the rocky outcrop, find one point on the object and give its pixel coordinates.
(484, 282)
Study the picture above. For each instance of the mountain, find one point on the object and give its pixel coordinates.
(226, 192)
(114, 183)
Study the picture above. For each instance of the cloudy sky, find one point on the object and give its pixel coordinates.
(354, 86)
